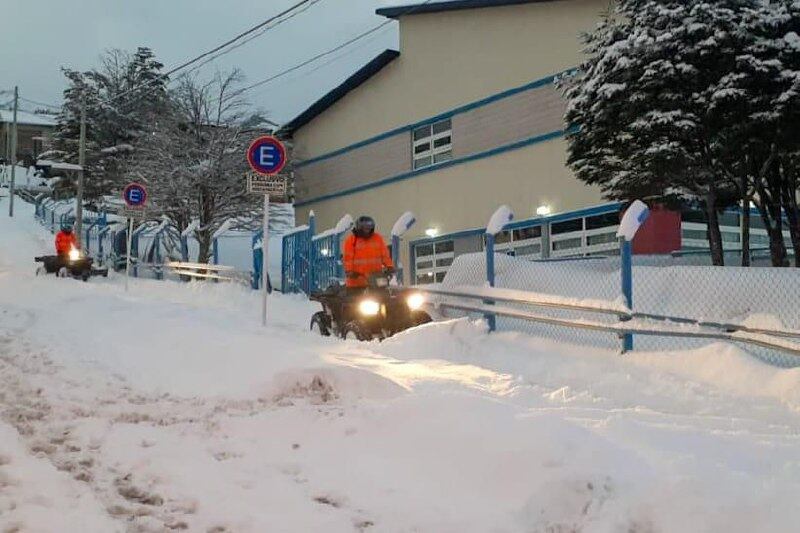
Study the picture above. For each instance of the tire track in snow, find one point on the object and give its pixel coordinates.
(51, 409)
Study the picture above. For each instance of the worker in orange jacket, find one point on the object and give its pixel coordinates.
(365, 252)
(65, 241)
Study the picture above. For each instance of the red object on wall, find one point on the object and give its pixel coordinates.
(660, 233)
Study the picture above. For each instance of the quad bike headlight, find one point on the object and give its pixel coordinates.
(74, 254)
(415, 301)
(369, 307)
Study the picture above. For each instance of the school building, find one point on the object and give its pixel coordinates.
(466, 116)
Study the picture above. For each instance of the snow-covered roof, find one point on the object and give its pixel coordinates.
(65, 166)
(58, 165)
(27, 119)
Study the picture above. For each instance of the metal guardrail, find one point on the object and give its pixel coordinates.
(630, 322)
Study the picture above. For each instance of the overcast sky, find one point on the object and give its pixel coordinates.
(40, 36)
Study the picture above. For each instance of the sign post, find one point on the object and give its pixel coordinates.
(135, 197)
(267, 157)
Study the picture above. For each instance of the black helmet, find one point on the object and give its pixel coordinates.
(364, 227)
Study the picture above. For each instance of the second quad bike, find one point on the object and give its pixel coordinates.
(75, 265)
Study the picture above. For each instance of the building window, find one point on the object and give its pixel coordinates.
(432, 143)
(602, 221)
(432, 260)
(601, 238)
(568, 226)
(568, 244)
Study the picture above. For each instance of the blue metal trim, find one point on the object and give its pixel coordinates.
(448, 236)
(491, 319)
(569, 215)
(526, 223)
(436, 7)
(439, 166)
(626, 272)
(441, 116)
(412, 267)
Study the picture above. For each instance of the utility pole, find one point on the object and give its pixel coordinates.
(81, 162)
(13, 154)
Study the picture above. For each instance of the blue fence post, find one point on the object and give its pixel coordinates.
(312, 256)
(215, 251)
(284, 263)
(157, 255)
(87, 242)
(491, 319)
(634, 217)
(184, 248)
(134, 251)
(100, 235)
(500, 218)
(626, 269)
(396, 258)
(258, 256)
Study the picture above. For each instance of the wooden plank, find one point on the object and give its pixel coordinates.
(200, 266)
(193, 274)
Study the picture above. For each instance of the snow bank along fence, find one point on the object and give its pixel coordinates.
(608, 300)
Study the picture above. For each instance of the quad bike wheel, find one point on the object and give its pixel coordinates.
(63, 272)
(355, 331)
(319, 323)
(41, 271)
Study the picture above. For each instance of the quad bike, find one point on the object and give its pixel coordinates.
(75, 264)
(378, 310)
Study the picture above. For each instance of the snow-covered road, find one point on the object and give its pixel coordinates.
(170, 408)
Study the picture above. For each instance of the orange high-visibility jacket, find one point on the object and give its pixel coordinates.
(364, 256)
(65, 242)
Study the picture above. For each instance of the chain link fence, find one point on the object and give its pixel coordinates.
(679, 286)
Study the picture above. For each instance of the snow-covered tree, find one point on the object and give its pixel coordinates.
(194, 160)
(768, 76)
(655, 108)
(123, 99)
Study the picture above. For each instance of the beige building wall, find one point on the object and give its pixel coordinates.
(450, 59)
(464, 196)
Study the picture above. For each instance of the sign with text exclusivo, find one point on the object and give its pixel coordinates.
(133, 212)
(272, 185)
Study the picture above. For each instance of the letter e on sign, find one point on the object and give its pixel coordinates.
(266, 155)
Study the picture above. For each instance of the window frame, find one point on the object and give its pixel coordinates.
(432, 155)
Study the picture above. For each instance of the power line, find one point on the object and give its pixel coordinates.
(52, 106)
(259, 34)
(241, 35)
(278, 17)
(328, 52)
(336, 58)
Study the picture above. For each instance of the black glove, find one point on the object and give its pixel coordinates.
(389, 270)
(353, 275)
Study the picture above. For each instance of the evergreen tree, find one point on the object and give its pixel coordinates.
(647, 104)
(123, 99)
